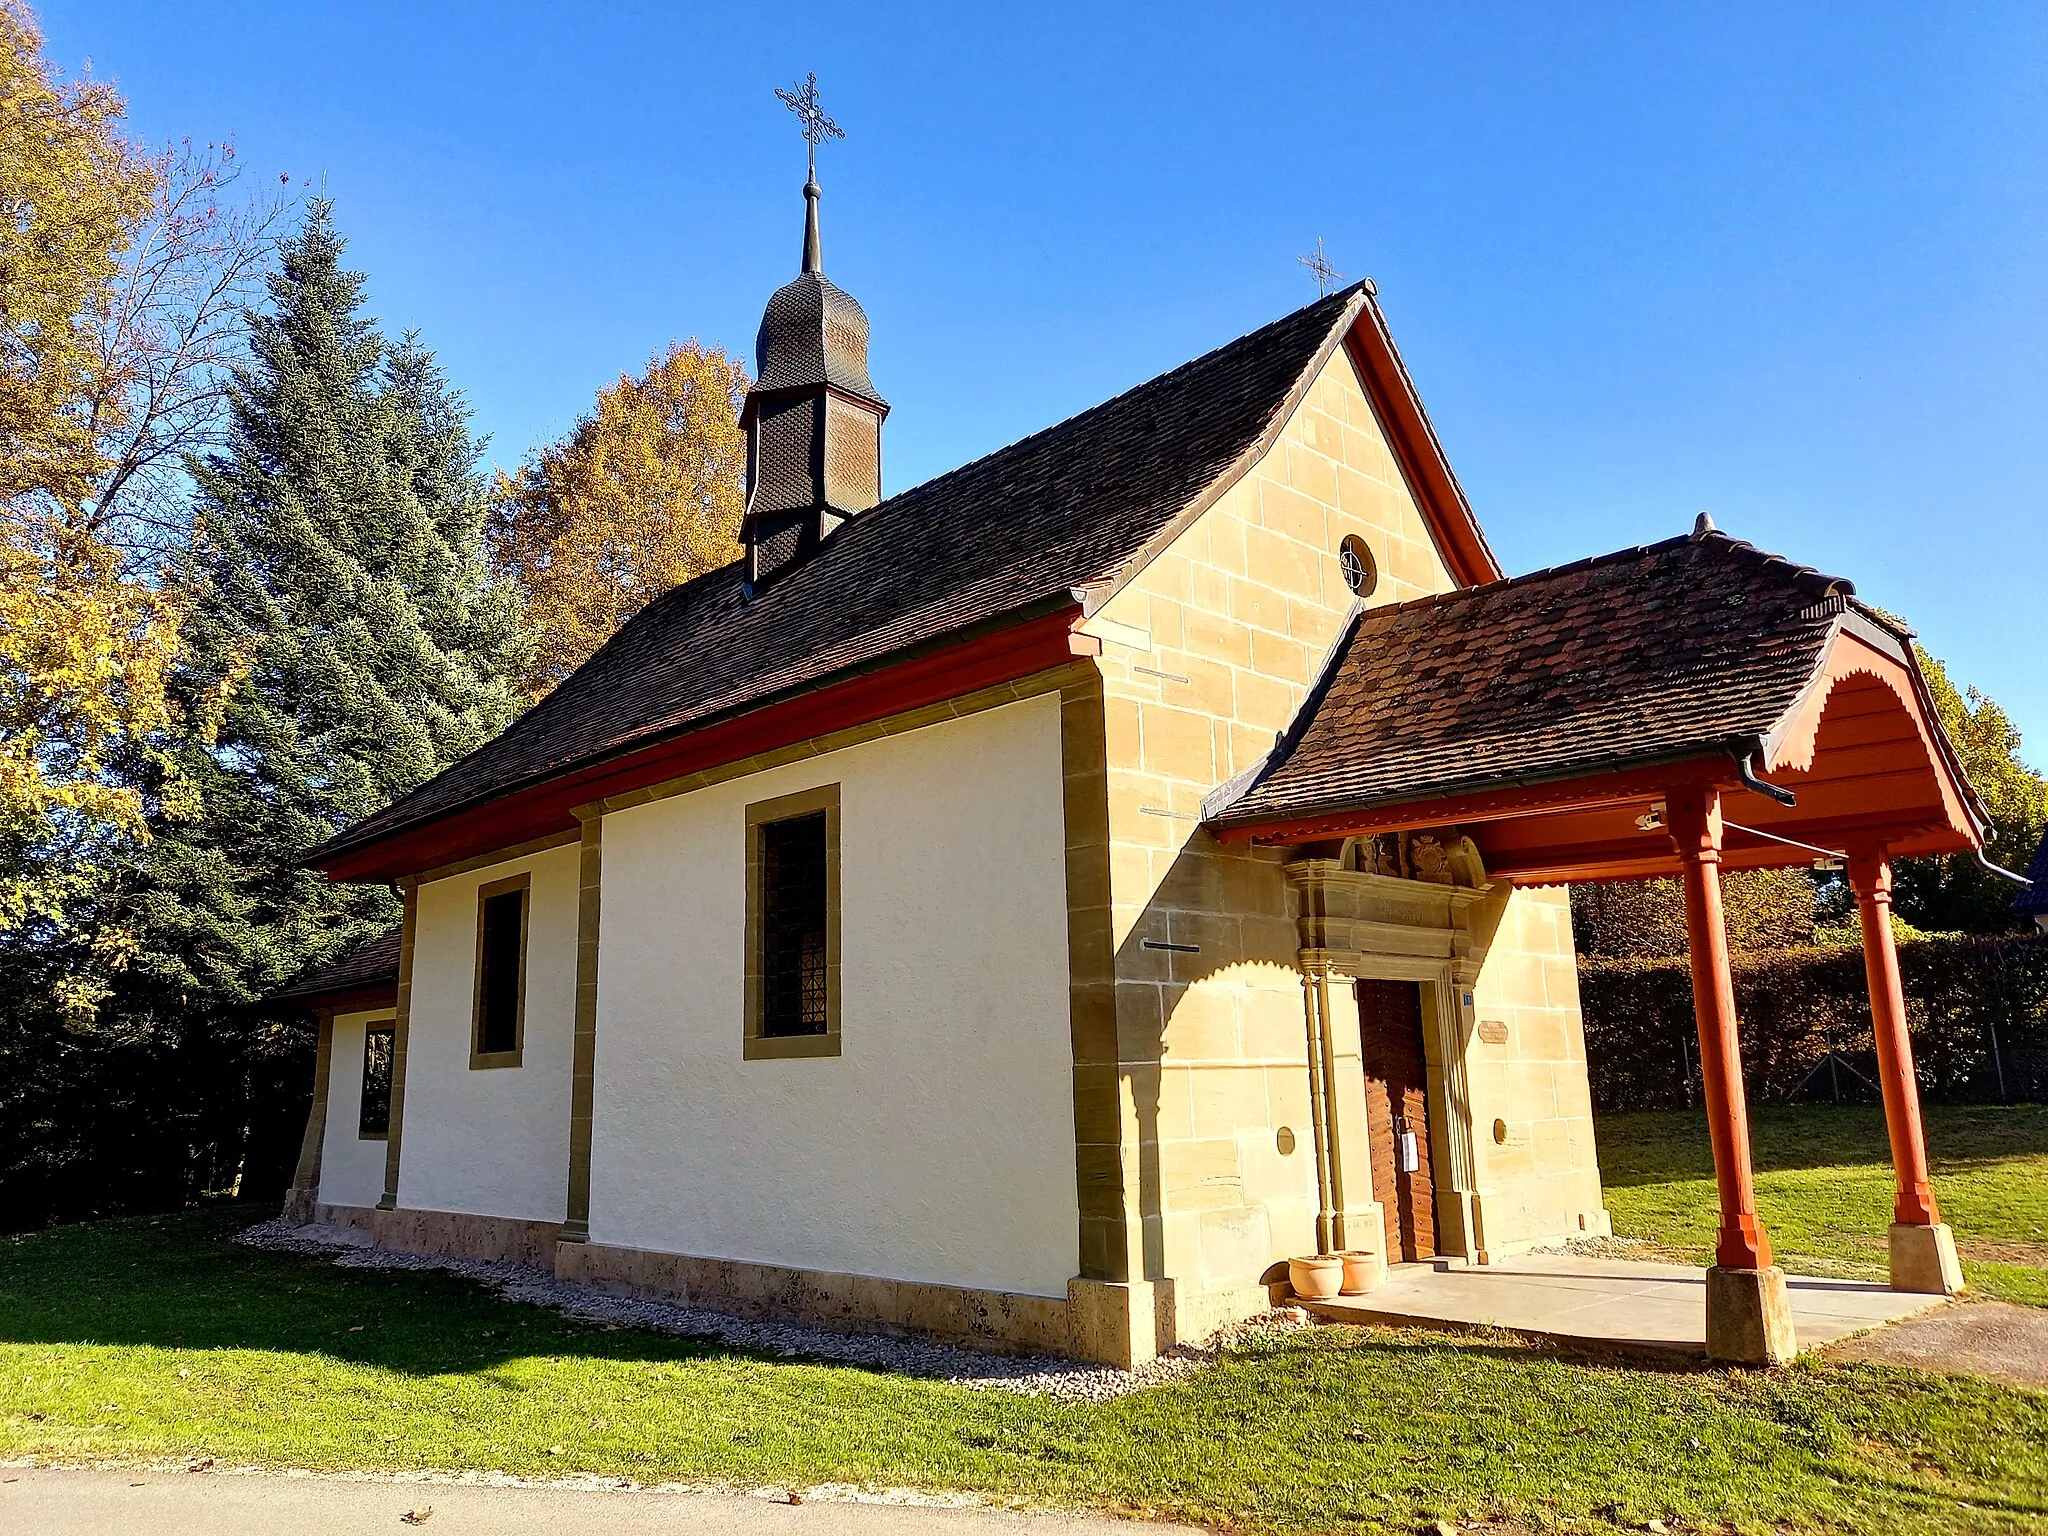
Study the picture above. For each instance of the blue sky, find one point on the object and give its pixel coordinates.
(1781, 262)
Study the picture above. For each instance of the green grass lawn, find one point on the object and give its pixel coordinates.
(149, 1339)
(1824, 1187)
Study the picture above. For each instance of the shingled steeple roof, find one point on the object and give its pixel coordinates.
(813, 332)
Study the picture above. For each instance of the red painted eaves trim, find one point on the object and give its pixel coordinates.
(1423, 461)
(1001, 656)
(1578, 793)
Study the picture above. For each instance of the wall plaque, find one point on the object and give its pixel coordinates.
(1493, 1031)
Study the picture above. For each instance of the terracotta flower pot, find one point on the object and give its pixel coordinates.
(1361, 1270)
(1317, 1277)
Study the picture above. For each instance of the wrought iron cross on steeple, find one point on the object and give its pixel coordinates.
(803, 101)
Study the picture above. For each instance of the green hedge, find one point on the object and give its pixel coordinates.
(1977, 1007)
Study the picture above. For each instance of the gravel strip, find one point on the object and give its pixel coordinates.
(1040, 1375)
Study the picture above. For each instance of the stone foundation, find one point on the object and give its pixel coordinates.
(454, 1233)
(1002, 1322)
(1121, 1325)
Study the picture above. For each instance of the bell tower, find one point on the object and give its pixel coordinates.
(813, 418)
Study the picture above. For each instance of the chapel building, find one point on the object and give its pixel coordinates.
(1030, 908)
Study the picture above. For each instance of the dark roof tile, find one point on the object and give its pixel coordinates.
(1643, 655)
(1062, 509)
(372, 963)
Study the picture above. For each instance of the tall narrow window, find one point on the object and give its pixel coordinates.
(499, 1027)
(793, 925)
(373, 1120)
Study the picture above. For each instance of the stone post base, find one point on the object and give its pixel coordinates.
(1924, 1259)
(1749, 1316)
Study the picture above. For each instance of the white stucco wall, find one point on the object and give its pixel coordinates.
(351, 1168)
(940, 1145)
(494, 1141)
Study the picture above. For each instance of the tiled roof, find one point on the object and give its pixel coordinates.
(374, 962)
(1644, 655)
(1011, 532)
(2034, 898)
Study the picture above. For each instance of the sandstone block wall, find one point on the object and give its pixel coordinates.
(1532, 1108)
(1207, 657)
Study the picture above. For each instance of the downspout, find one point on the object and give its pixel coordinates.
(1313, 996)
(1745, 770)
(2000, 870)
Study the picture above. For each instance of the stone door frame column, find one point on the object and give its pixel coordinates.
(1367, 927)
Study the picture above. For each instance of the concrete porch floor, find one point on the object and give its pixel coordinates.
(1605, 1301)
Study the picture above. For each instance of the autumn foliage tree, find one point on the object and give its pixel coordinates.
(83, 648)
(72, 191)
(123, 275)
(645, 492)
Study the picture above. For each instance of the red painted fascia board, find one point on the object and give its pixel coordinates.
(1001, 656)
(1584, 792)
(1415, 444)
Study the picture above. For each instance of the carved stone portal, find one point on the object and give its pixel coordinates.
(1441, 857)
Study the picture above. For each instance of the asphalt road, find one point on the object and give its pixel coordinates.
(40, 1502)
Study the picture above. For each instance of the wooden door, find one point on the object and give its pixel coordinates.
(1396, 1109)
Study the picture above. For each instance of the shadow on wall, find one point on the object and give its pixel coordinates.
(1223, 915)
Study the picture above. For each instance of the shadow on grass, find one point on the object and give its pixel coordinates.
(181, 1282)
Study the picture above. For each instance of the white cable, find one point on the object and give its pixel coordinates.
(1789, 842)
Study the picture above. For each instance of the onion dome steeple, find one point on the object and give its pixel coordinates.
(813, 418)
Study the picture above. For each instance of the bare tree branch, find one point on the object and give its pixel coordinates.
(170, 335)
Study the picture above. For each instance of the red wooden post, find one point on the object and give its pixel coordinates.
(1693, 817)
(1871, 876)
(1922, 1248)
(1749, 1312)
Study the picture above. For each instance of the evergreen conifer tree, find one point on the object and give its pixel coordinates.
(344, 640)
(345, 631)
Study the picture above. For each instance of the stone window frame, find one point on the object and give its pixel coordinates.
(756, 1046)
(388, 1025)
(479, 1058)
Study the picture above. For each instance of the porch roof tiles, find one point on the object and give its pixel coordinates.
(372, 963)
(1694, 645)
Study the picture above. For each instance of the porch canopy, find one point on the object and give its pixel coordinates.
(1669, 710)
